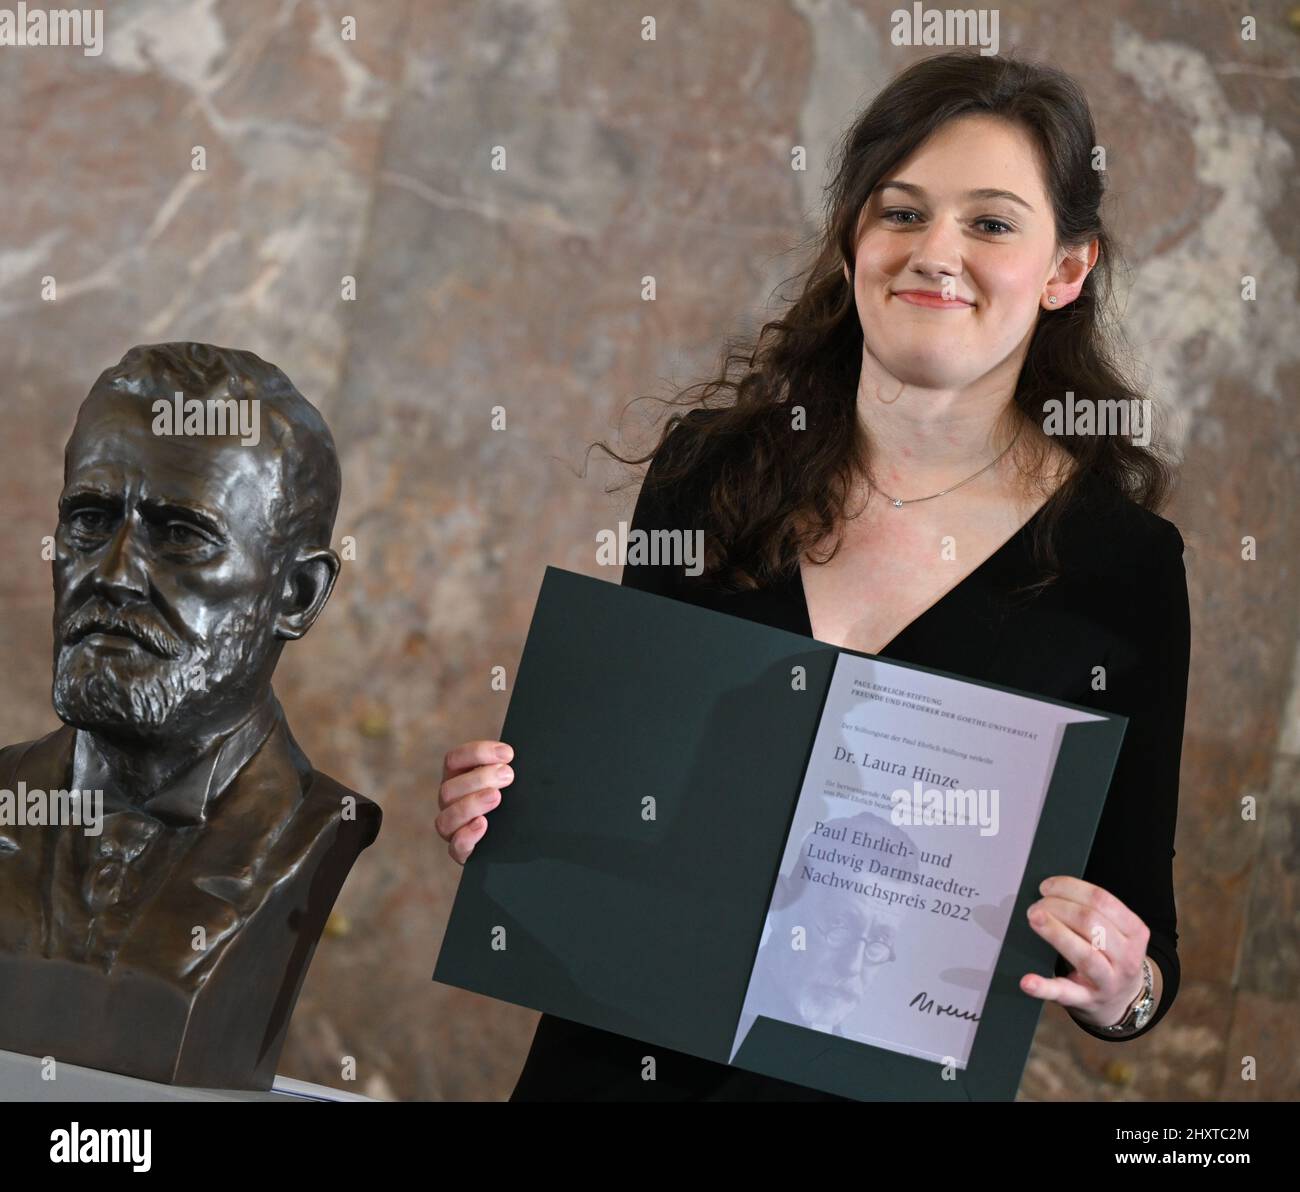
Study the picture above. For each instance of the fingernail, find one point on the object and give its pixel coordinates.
(505, 773)
(504, 752)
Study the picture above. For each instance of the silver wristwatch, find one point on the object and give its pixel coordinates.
(1139, 1013)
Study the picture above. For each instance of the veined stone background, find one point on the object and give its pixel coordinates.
(370, 158)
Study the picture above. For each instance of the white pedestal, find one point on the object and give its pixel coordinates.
(22, 1079)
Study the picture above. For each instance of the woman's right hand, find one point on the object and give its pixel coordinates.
(472, 777)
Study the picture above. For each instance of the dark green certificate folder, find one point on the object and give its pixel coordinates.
(625, 878)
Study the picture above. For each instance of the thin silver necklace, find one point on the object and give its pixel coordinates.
(897, 503)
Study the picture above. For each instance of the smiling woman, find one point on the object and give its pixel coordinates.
(962, 287)
(876, 471)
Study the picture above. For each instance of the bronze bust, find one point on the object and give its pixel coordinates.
(170, 856)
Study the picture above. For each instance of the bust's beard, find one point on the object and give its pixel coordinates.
(142, 695)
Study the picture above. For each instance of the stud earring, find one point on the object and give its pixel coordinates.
(1052, 301)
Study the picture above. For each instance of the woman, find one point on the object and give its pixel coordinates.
(896, 472)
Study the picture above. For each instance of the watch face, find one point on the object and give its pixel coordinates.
(1138, 1013)
(1141, 1010)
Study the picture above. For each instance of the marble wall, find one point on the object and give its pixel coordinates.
(329, 158)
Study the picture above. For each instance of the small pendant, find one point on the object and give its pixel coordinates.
(897, 503)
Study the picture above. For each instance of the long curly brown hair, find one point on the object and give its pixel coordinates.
(764, 493)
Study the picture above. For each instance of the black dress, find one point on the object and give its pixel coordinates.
(1120, 604)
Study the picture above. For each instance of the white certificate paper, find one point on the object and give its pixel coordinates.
(905, 855)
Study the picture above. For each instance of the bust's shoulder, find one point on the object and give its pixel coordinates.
(11, 755)
(53, 749)
(327, 819)
(327, 801)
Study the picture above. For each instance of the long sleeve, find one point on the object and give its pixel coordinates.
(1133, 851)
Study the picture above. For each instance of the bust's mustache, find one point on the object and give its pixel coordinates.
(140, 627)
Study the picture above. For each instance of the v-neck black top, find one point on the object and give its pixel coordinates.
(1117, 618)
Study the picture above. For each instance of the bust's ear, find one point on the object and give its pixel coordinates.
(307, 585)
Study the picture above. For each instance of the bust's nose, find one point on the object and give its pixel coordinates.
(122, 574)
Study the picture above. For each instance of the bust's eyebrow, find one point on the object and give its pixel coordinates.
(85, 496)
(160, 509)
(983, 192)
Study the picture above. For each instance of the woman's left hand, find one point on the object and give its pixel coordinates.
(1104, 941)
